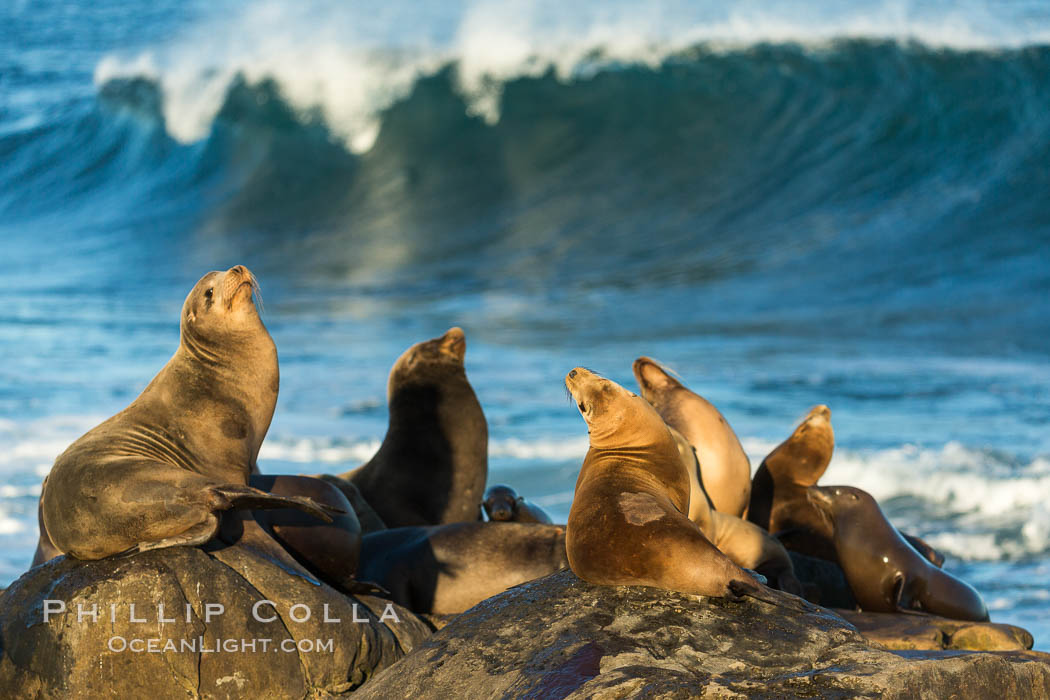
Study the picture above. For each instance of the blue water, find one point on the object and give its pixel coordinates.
(794, 206)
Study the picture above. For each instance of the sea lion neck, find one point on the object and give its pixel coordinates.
(243, 368)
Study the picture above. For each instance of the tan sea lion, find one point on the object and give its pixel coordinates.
(446, 569)
(746, 544)
(885, 573)
(160, 472)
(628, 524)
(433, 463)
(725, 468)
(503, 504)
(779, 490)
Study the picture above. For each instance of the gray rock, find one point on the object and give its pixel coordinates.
(558, 637)
(68, 657)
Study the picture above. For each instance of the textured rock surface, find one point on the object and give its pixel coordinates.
(559, 637)
(908, 631)
(67, 657)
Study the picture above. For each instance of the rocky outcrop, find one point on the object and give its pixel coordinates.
(918, 631)
(184, 647)
(559, 637)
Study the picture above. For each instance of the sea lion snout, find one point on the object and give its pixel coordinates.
(820, 410)
(820, 496)
(234, 280)
(454, 343)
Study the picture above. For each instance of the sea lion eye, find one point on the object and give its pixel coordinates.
(207, 294)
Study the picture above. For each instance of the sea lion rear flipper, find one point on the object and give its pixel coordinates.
(196, 535)
(237, 497)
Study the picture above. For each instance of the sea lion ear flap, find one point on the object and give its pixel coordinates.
(650, 375)
(191, 317)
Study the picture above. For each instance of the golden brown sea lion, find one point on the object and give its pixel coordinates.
(725, 468)
(160, 472)
(446, 569)
(628, 523)
(503, 504)
(433, 463)
(885, 573)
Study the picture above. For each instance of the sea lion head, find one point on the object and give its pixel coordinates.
(500, 502)
(430, 360)
(808, 451)
(221, 306)
(837, 502)
(656, 383)
(615, 416)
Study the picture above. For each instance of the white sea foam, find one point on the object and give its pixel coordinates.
(547, 449)
(349, 62)
(318, 450)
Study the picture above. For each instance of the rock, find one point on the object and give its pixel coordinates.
(67, 657)
(559, 637)
(918, 631)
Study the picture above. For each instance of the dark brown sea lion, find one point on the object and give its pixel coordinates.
(446, 569)
(885, 573)
(160, 472)
(779, 490)
(628, 523)
(503, 504)
(433, 463)
(746, 544)
(725, 468)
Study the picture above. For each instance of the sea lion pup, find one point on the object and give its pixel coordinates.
(627, 524)
(433, 463)
(725, 468)
(446, 569)
(159, 473)
(779, 490)
(746, 544)
(885, 573)
(503, 504)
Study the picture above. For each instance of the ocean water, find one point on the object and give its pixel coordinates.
(789, 206)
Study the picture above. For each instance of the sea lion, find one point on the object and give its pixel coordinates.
(446, 569)
(628, 524)
(159, 473)
(503, 504)
(746, 544)
(433, 463)
(779, 491)
(885, 573)
(725, 468)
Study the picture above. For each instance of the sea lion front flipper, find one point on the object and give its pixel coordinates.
(237, 497)
(929, 553)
